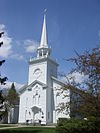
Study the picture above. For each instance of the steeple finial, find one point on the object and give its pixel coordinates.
(44, 39)
(45, 10)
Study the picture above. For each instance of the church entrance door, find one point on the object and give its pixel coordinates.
(36, 114)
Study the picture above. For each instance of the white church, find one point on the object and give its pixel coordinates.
(39, 99)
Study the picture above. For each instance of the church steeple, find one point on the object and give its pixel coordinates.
(43, 49)
(44, 39)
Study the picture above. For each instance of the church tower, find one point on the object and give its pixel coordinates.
(43, 66)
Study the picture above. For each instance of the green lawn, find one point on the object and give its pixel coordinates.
(7, 125)
(29, 130)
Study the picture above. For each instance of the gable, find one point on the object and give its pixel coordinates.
(28, 87)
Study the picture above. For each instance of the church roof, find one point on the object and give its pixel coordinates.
(58, 81)
(22, 89)
(37, 81)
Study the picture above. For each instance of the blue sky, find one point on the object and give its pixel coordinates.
(71, 24)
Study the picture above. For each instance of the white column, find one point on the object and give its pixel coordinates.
(47, 53)
(8, 116)
(42, 52)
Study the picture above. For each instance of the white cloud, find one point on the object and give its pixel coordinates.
(18, 86)
(78, 77)
(31, 46)
(8, 85)
(7, 51)
(17, 57)
(18, 43)
(6, 48)
(2, 27)
(63, 79)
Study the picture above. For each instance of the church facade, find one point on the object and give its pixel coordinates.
(39, 99)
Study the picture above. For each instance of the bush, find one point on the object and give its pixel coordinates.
(91, 125)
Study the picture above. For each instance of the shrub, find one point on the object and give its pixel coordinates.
(91, 125)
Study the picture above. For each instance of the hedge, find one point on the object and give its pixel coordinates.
(91, 125)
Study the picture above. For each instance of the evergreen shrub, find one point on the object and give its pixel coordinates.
(91, 125)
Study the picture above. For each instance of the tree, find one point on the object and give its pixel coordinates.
(85, 96)
(2, 82)
(12, 96)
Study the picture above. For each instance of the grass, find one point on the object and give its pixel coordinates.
(7, 125)
(29, 130)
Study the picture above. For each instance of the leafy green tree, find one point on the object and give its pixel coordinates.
(12, 96)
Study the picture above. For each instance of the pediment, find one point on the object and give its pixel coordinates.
(25, 87)
(37, 82)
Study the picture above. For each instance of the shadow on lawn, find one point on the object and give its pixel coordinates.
(20, 131)
(29, 130)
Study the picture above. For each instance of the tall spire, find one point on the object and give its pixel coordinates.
(43, 50)
(44, 39)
